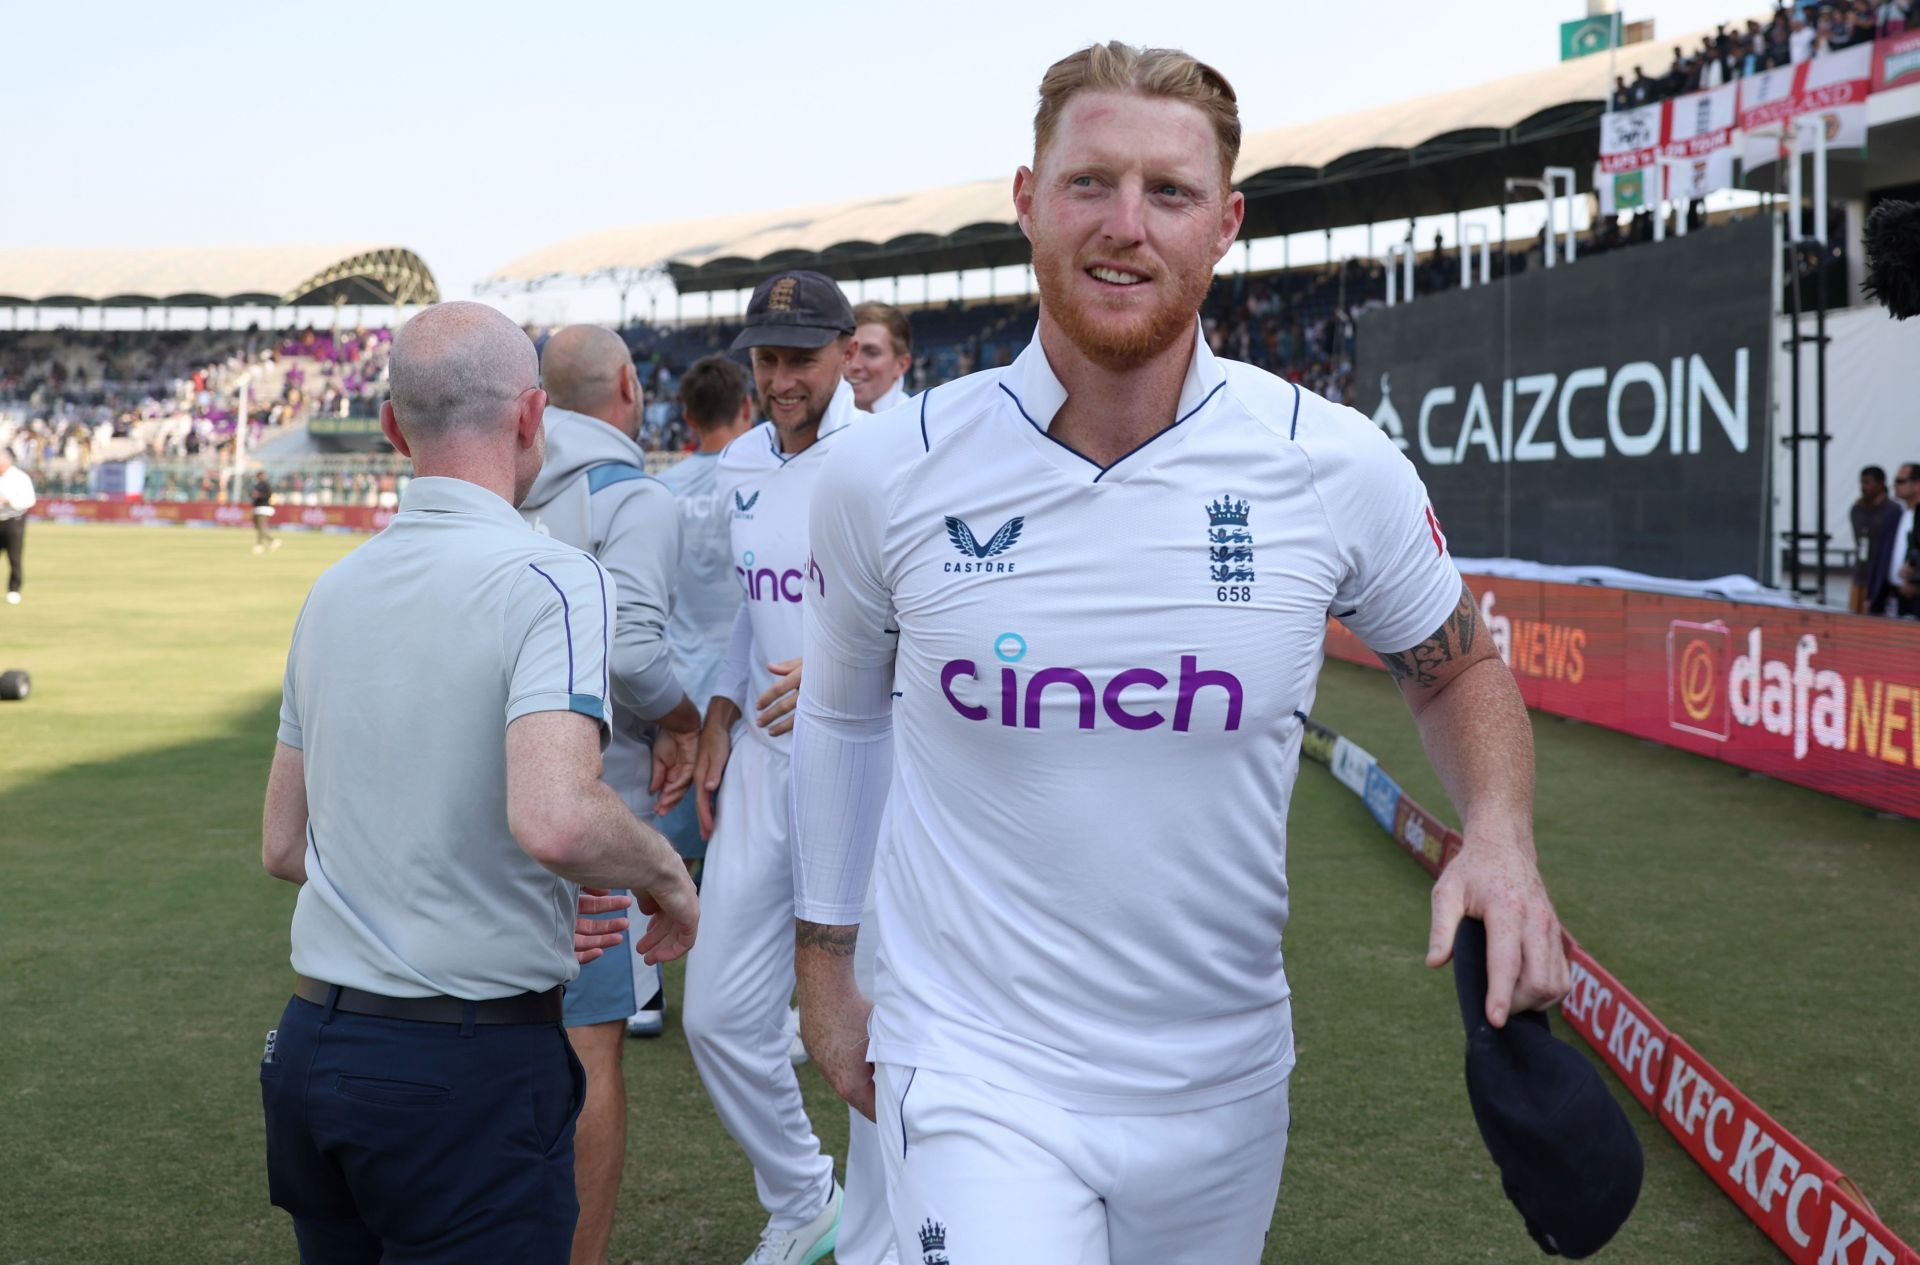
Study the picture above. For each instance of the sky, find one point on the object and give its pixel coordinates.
(476, 132)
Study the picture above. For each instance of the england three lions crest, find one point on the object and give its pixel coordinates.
(1230, 549)
(933, 1243)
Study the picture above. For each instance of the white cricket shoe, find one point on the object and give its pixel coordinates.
(649, 989)
(796, 1048)
(647, 1023)
(805, 1245)
(13, 599)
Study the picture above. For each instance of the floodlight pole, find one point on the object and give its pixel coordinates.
(1817, 128)
(240, 435)
(1469, 233)
(1553, 176)
(1523, 182)
(1398, 254)
(1664, 168)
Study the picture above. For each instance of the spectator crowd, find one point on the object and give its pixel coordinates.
(1796, 32)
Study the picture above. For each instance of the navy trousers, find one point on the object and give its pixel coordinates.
(395, 1141)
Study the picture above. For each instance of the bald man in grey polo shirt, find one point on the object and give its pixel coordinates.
(436, 792)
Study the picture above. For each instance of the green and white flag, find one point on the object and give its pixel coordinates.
(1625, 191)
(1595, 34)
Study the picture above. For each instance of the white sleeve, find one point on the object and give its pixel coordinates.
(1397, 580)
(843, 733)
(736, 670)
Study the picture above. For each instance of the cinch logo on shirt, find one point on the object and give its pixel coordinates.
(764, 584)
(1020, 701)
(970, 548)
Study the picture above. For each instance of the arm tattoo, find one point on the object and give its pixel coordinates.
(834, 941)
(1452, 640)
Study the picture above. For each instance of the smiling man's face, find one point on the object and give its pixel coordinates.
(795, 386)
(1128, 215)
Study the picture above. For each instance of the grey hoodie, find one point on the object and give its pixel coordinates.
(594, 493)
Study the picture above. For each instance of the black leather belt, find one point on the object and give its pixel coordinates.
(523, 1008)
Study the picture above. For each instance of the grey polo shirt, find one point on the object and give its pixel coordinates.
(410, 658)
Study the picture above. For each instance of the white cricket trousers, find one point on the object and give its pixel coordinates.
(979, 1175)
(739, 984)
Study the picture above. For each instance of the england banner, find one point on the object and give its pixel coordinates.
(1697, 177)
(1630, 139)
(1691, 137)
(1699, 143)
(1829, 91)
(1700, 122)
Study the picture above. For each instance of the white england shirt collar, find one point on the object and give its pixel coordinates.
(1032, 383)
(896, 394)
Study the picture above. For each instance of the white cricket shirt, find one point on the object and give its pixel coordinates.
(766, 493)
(1101, 678)
(706, 593)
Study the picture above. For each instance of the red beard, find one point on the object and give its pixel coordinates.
(1110, 344)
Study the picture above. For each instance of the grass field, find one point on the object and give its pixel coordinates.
(143, 955)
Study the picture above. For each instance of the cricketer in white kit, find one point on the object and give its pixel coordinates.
(1077, 688)
(738, 990)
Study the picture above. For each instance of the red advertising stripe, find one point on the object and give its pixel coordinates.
(1778, 1181)
(1850, 1234)
(1820, 698)
(1618, 1026)
(1796, 1197)
(317, 517)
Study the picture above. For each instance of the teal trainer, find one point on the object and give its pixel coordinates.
(802, 1246)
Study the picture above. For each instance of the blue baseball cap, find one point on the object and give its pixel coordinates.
(1568, 1157)
(795, 309)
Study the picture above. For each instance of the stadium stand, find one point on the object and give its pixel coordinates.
(72, 400)
(1793, 34)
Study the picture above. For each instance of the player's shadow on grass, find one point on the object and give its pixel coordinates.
(143, 956)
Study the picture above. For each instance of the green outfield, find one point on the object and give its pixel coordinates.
(143, 956)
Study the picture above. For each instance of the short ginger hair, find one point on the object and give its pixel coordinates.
(1148, 72)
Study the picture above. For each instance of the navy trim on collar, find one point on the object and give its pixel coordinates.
(1048, 433)
(1155, 436)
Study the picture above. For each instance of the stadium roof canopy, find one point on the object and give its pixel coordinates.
(1427, 156)
(215, 276)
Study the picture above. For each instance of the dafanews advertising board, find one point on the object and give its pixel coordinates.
(1614, 412)
(1819, 698)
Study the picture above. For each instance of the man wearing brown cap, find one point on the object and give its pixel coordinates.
(799, 333)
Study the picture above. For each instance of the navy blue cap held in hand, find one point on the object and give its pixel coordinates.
(1568, 1157)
